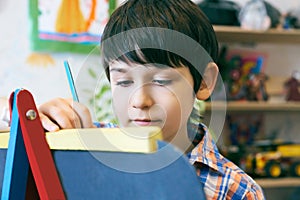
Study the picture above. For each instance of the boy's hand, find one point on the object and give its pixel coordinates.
(62, 113)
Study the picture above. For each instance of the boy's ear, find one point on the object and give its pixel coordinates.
(208, 83)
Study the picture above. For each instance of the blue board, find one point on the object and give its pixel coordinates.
(165, 174)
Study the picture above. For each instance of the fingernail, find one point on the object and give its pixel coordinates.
(54, 128)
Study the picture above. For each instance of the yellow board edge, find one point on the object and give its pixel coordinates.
(129, 139)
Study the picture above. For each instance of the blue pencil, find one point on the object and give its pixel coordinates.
(71, 81)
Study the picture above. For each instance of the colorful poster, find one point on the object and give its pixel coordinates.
(68, 25)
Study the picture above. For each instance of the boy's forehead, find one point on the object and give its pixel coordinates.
(122, 66)
(148, 69)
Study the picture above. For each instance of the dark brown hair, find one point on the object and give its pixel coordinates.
(182, 16)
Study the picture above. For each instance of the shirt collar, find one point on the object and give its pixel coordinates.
(206, 152)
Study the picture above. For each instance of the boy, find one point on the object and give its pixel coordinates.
(155, 77)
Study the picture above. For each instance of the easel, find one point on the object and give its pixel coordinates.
(33, 171)
(28, 154)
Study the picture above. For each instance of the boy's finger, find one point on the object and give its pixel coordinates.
(84, 115)
(65, 117)
(61, 112)
(48, 124)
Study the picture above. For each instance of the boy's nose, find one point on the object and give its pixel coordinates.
(141, 98)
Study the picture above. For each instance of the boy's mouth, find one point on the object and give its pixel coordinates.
(145, 122)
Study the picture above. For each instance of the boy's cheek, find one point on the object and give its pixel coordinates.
(120, 111)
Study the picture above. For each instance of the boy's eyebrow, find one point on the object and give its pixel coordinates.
(118, 70)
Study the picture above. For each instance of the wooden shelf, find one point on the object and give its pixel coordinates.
(242, 106)
(278, 183)
(236, 34)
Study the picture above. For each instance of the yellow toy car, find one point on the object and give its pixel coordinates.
(274, 160)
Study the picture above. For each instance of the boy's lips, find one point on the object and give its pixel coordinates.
(144, 122)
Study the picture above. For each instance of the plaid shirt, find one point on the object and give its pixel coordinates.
(221, 178)
(105, 125)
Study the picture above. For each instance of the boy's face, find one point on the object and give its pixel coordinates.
(152, 96)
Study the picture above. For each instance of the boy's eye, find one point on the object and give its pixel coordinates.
(162, 82)
(124, 83)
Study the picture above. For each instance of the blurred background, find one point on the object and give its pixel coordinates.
(259, 64)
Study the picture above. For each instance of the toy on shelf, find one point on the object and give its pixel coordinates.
(243, 131)
(254, 16)
(256, 89)
(292, 87)
(244, 128)
(244, 75)
(274, 159)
